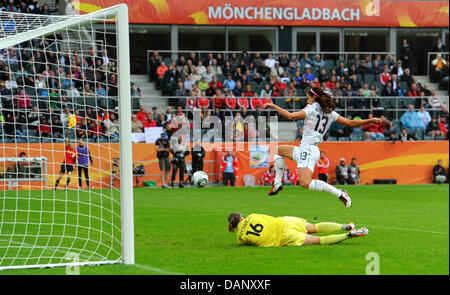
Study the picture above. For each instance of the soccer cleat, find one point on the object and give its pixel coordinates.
(345, 198)
(358, 233)
(276, 188)
(349, 227)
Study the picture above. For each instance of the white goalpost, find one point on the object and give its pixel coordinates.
(66, 172)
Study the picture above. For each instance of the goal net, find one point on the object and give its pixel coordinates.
(65, 140)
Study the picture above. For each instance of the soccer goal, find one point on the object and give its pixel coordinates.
(65, 139)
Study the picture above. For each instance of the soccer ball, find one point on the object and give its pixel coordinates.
(200, 179)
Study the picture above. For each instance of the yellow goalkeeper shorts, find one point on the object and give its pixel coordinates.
(294, 231)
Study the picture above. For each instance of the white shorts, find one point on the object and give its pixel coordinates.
(306, 156)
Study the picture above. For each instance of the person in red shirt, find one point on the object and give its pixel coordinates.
(413, 91)
(142, 115)
(22, 100)
(269, 176)
(322, 167)
(214, 80)
(266, 100)
(374, 130)
(385, 76)
(255, 101)
(231, 102)
(243, 102)
(44, 129)
(279, 85)
(190, 103)
(161, 70)
(385, 126)
(96, 130)
(70, 156)
(149, 122)
(218, 99)
(442, 126)
(248, 92)
(203, 102)
(332, 83)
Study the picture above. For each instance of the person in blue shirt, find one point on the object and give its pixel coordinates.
(229, 83)
(308, 75)
(411, 120)
(229, 169)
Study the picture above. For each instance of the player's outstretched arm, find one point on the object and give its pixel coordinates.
(356, 123)
(286, 114)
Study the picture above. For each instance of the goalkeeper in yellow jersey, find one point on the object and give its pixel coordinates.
(267, 231)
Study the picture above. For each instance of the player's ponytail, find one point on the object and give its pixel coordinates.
(324, 99)
(233, 220)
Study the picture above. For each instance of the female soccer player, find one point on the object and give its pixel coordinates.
(267, 231)
(318, 116)
(84, 157)
(70, 156)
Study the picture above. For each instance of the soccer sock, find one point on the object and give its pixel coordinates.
(333, 239)
(278, 163)
(57, 183)
(67, 183)
(328, 227)
(322, 186)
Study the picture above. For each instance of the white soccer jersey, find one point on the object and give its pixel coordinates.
(316, 123)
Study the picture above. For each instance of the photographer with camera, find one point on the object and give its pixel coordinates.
(179, 149)
(198, 154)
(162, 147)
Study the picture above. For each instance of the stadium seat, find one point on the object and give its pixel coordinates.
(419, 133)
(405, 102)
(397, 124)
(91, 101)
(360, 79)
(329, 63)
(46, 140)
(378, 85)
(220, 78)
(339, 61)
(135, 103)
(404, 85)
(369, 79)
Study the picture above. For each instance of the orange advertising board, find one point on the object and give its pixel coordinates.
(362, 13)
(409, 162)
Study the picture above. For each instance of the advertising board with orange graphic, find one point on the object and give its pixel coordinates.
(362, 13)
(408, 162)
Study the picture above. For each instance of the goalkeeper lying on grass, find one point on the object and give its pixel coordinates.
(267, 231)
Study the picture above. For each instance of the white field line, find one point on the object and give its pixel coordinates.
(141, 266)
(409, 229)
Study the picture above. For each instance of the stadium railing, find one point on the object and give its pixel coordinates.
(325, 55)
(391, 107)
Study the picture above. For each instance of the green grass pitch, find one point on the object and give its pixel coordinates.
(183, 231)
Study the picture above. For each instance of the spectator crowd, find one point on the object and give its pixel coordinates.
(42, 85)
